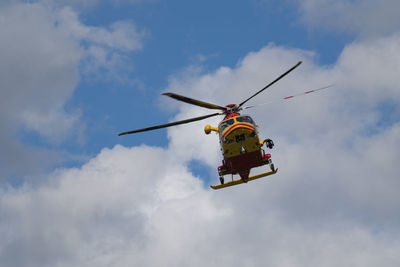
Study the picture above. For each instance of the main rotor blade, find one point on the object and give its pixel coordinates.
(290, 96)
(194, 101)
(170, 124)
(277, 79)
(307, 92)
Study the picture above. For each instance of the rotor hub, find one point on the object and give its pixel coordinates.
(232, 108)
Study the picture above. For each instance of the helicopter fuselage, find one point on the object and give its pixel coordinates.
(240, 145)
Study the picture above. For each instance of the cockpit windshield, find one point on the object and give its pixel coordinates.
(245, 119)
(225, 124)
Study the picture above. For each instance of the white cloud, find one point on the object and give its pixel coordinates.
(78, 5)
(333, 202)
(333, 139)
(372, 68)
(361, 17)
(121, 35)
(119, 210)
(41, 50)
(336, 149)
(105, 47)
(38, 74)
(139, 200)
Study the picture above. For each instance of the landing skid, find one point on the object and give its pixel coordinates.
(240, 181)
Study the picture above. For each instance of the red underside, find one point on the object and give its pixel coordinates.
(243, 163)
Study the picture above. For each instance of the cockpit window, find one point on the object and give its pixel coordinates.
(225, 124)
(245, 119)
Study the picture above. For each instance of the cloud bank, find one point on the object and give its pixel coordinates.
(334, 201)
(364, 18)
(42, 50)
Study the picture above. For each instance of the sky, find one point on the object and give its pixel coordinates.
(73, 74)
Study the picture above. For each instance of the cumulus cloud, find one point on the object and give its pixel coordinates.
(42, 49)
(105, 48)
(119, 210)
(138, 203)
(337, 148)
(361, 17)
(333, 202)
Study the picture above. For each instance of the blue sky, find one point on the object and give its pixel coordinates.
(73, 74)
(177, 35)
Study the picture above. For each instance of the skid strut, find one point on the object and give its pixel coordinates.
(240, 181)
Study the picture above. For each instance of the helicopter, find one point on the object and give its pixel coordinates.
(240, 144)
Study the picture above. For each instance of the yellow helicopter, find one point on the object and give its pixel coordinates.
(240, 145)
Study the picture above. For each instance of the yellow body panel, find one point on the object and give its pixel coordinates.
(229, 136)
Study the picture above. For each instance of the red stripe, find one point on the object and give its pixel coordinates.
(235, 128)
(238, 126)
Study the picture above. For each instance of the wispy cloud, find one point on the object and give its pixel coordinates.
(363, 18)
(43, 50)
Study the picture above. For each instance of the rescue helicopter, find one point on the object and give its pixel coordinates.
(240, 144)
